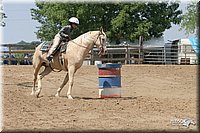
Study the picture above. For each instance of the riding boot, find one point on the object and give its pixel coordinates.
(50, 54)
(50, 57)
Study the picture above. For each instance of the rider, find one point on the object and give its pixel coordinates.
(63, 35)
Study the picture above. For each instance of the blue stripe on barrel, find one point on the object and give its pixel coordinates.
(109, 82)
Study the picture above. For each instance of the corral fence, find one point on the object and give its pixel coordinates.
(124, 54)
(16, 54)
(135, 54)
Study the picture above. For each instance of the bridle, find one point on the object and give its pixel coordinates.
(101, 44)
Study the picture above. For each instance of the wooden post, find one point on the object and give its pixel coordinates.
(111, 57)
(126, 61)
(10, 55)
(140, 49)
(128, 54)
(185, 55)
(92, 57)
(165, 60)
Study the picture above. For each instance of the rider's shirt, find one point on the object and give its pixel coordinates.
(65, 32)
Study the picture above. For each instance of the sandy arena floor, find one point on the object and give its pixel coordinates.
(153, 98)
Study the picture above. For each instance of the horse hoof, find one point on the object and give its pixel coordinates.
(37, 94)
(57, 95)
(70, 97)
(32, 94)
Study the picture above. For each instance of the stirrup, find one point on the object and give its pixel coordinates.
(49, 58)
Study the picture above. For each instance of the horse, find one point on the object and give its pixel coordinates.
(70, 61)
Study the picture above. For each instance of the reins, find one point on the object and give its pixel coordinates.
(80, 46)
(86, 46)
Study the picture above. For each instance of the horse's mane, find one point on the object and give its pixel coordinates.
(80, 36)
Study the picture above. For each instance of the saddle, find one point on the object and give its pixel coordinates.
(46, 45)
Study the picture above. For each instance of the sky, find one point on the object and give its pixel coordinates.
(20, 26)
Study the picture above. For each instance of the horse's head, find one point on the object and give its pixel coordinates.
(101, 42)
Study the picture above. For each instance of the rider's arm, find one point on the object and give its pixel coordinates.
(65, 32)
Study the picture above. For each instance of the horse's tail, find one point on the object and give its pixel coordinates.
(37, 56)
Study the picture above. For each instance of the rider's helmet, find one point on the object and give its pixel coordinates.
(74, 20)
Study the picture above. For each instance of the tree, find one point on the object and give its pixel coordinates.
(119, 20)
(2, 15)
(146, 19)
(53, 16)
(189, 20)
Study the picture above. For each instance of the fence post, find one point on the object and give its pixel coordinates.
(165, 55)
(127, 55)
(140, 49)
(10, 56)
(92, 57)
(185, 55)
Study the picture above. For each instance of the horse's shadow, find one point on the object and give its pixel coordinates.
(90, 98)
(112, 98)
(29, 84)
(25, 84)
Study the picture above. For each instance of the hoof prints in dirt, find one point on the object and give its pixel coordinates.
(152, 98)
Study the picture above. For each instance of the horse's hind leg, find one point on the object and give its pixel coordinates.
(35, 73)
(46, 71)
(62, 85)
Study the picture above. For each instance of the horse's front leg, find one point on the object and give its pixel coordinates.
(71, 81)
(62, 85)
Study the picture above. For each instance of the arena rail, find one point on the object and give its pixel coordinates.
(124, 54)
(16, 49)
(135, 54)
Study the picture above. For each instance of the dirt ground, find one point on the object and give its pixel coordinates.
(154, 98)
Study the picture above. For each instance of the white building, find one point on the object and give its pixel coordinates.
(188, 51)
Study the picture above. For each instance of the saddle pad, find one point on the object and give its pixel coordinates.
(63, 47)
(45, 46)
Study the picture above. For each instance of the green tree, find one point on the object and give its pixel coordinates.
(189, 20)
(119, 20)
(52, 17)
(2, 15)
(93, 16)
(146, 19)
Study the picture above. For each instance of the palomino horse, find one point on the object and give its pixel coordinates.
(72, 59)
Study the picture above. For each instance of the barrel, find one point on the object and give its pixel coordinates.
(109, 76)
